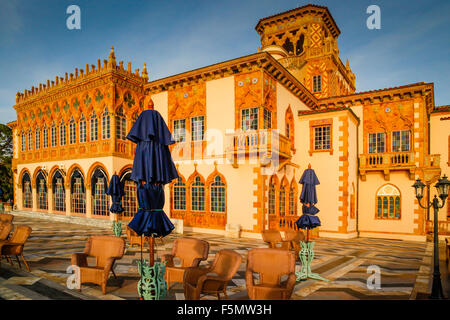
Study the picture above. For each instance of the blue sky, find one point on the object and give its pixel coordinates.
(176, 36)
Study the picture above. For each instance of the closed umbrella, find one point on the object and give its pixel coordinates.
(153, 167)
(115, 190)
(308, 220)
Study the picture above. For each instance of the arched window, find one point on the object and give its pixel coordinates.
(54, 135)
(388, 202)
(129, 200)
(30, 140)
(41, 191)
(77, 192)
(288, 46)
(26, 191)
(72, 131)
(45, 136)
(217, 195)
(272, 196)
(23, 140)
(59, 192)
(179, 195)
(282, 201)
(121, 125)
(100, 200)
(292, 200)
(299, 45)
(198, 195)
(106, 132)
(94, 127)
(82, 127)
(38, 138)
(62, 133)
(134, 118)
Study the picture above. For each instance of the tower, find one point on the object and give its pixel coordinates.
(304, 41)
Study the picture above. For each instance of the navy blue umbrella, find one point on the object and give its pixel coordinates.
(308, 197)
(153, 165)
(115, 190)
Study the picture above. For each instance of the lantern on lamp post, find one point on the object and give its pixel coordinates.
(442, 187)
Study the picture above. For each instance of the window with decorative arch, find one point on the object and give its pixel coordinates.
(388, 203)
(23, 140)
(198, 195)
(37, 138)
(62, 133)
(72, 131)
(106, 130)
(282, 199)
(129, 200)
(53, 133)
(272, 195)
(82, 128)
(218, 195)
(77, 193)
(100, 200)
(59, 192)
(30, 140)
(27, 196)
(293, 194)
(121, 124)
(41, 191)
(45, 136)
(179, 194)
(94, 127)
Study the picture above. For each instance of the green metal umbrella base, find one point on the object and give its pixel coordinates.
(152, 285)
(306, 255)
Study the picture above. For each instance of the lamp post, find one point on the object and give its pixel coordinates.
(442, 187)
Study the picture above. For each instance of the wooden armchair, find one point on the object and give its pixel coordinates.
(213, 279)
(190, 251)
(294, 237)
(133, 237)
(271, 265)
(274, 240)
(106, 250)
(14, 246)
(6, 217)
(5, 230)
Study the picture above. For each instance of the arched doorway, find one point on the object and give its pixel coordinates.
(100, 200)
(129, 200)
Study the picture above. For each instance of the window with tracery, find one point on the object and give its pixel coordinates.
(27, 192)
(106, 130)
(41, 186)
(78, 194)
(217, 189)
(59, 192)
(121, 125)
(94, 127)
(100, 200)
(179, 195)
(388, 203)
(129, 200)
(198, 195)
(82, 126)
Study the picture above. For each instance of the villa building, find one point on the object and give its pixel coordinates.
(246, 129)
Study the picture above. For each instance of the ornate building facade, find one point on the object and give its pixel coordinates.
(245, 131)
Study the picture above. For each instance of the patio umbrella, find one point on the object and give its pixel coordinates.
(308, 220)
(153, 167)
(115, 190)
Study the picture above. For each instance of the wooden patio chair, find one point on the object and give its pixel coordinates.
(133, 238)
(14, 246)
(294, 237)
(213, 279)
(271, 265)
(274, 240)
(190, 251)
(6, 217)
(5, 230)
(106, 250)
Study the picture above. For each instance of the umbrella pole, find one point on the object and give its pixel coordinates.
(151, 244)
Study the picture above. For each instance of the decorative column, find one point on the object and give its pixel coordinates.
(50, 197)
(67, 194)
(88, 201)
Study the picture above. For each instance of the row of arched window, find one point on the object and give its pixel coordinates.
(194, 194)
(100, 202)
(282, 198)
(77, 131)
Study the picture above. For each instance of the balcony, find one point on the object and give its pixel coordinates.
(265, 144)
(388, 162)
(443, 227)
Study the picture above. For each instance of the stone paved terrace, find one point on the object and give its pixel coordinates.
(405, 266)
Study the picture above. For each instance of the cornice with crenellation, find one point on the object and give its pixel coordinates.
(48, 96)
